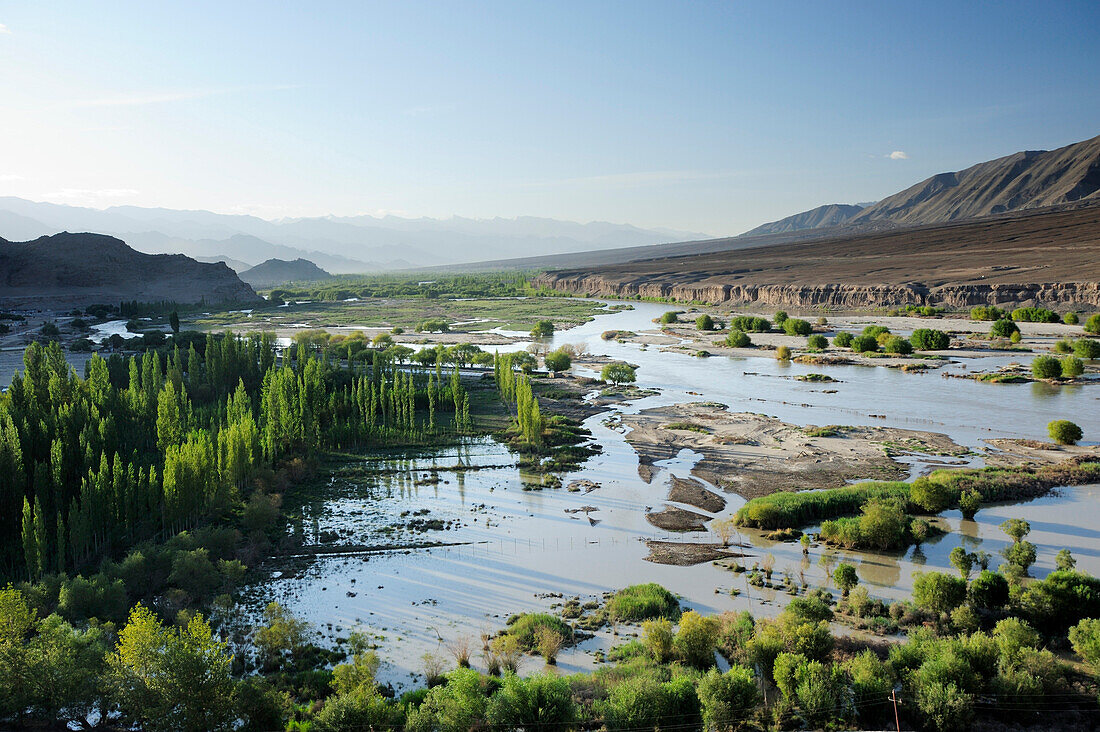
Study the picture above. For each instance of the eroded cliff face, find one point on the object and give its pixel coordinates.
(1064, 294)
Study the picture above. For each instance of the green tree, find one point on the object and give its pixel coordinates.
(928, 339)
(695, 640)
(843, 339)
(796, 327)
(1092, 325)
(864, 344)
(704, 322)
(672, 316)
(1046, 367)
(539, 702)
(362, 709)
(738, 339)
(1071, 367)
(171, 678)
(282, 635)
(618, 372)
(1016, 528)
(1003, 328)
(17, 622)
(1085, 639)
(558, 361)
(845, 577)
(1086, 348)
(938, 592)
(174, 321)
(543, 329)
(969, 503)
(931, 495)
(1064, 432)
(988, 591)
(727, 699)
(963, 561)
(898, 346)
(780, 317)
(1064, 561)
(817, 342)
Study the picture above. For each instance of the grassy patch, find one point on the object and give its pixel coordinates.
(525, 627)
(643, 602)
(686, 427)
(816, 378)
(829, 430)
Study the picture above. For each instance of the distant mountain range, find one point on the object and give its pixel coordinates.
(337, 244)
(277, 271)
(86, 268)
(1023, 180)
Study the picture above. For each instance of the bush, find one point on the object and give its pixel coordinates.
(843, 339)
(796, 327)
(928, 339)
(640, 702)
(543, 329)
(657, 639)
(727, 699)
(938, 592)
(897, 345)
(695, 640)
(618, 372)
(1003, 328)
(539, 702)
(932, 496)
(643, 602)
(865, 344)
(672, 316)
(738, 339)
(783, 353)
(817, 342)
(361, 709)
(704, 322)
(1064, 432)
(1046, 367)
(750, 324)
(1092, 325)
(433, 325)
(1071, 367)
(1063, 346)
(526, 627)
(1085, 639)
(1034, 315)
(845, 577)
(780, 317)
(558, 360)
(1086, 348)
(460, 704)
(988, 591)
(969, 503)
(1070, 318)
(986, 312)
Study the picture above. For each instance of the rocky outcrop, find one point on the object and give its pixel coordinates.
(856, 297)
(82, 268)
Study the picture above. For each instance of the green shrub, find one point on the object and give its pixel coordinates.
(738, 339)
(817, 342)
(542, 701)
(640, 702)
(1086, 348)
(898, 346)
(459, 704)
(865, 344)
(1071, 367)
(796, 327)
(696, 639)
(1003, 328)
(932, 496)
(750, 324)
(875, 331)
(969, 503)
(704, 322)
(360, 709)
(1085, 639)
(525, 628)
(643, 602)
(1092, 325)
(845, 577)
(1034, 315)
(843, 339)
(618, 372)
(1070, 318)
(1064, 432)
(1060, 600)
(783, 353)
(558, 361)
(938, 592)
(727, 699)
(543, 329)
(928, 339)
(433, 325)
(672, 316)
(988, 591)
(1046, 367)
(986, 312)
(780, 317)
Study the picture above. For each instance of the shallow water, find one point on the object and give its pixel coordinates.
(518, 546)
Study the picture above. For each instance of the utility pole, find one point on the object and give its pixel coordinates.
(894, 698)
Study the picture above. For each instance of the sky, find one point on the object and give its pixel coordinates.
(702, 117)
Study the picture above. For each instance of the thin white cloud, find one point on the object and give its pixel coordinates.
(172, 96)
(4, 30)
(898, 155)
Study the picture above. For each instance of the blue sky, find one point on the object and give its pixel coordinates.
(710, 117)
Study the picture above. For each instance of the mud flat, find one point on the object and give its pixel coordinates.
(686, 554)
(692, 492)
(754, 455)
(1015, 452)
(673, 518)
